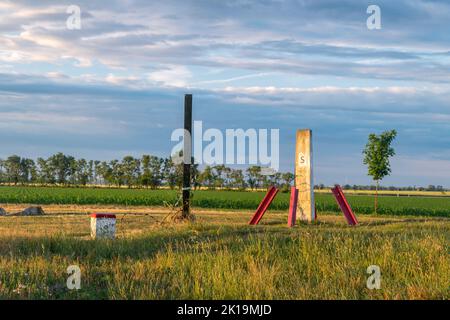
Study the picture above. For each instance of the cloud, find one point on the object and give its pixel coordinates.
(31, 122)
(117, 84)
(288, 37)
(171, 76)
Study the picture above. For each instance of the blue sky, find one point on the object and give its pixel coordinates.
(116, 86)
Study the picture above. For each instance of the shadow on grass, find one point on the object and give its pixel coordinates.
(188, 238)
(139, 247)
(400, 221)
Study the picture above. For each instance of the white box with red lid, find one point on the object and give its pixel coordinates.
(103, 226)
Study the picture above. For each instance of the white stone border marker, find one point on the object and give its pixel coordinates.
(103, 226)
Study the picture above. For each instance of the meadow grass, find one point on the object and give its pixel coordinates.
(361, 204)
(220, 257)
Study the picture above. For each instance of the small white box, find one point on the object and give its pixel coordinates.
(103, 226)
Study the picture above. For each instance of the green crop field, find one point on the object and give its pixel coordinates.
(361, 204)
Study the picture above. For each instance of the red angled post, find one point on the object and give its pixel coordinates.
(293, 207)
(264, 205)
(344, 205)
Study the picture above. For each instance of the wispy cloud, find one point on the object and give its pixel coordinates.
(274, 64)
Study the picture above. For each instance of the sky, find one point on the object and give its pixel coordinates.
(116, 85)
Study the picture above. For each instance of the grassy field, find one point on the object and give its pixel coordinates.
(221, 257)
(361, 204)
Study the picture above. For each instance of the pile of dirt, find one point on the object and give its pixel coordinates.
(32, 211)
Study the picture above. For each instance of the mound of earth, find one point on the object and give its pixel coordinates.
(31, 211)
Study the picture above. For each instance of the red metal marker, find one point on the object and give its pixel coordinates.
(293, 207)
(264, 205)
(343, 204)
(103, 215)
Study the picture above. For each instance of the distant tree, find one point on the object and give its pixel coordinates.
(219, 180)
(45, 175)
(130, 168)
(169, 173)
(28, 171)
(12, 169)
(206, 177)
(117, 175)
(253, 176)
(156, 169)
(288, 179)
(97, 169)
(2, 170)
(266, 180)
(377, 152)
(91, 172)
(272, 180)
(227, 182)
(146, 171)
(72, 170)
(178, 173)
(195, 172)
(237, 179)
(62, 167)
(105, 172)
(152, 171)
(83, 172)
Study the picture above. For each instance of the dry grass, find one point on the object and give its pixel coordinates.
(220, 256)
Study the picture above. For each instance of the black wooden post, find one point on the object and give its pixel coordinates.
(187, 154)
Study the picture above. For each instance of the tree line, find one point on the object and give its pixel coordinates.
(147, 171)
(430, 187)
(150, 172)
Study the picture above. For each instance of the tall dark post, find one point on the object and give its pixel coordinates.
(187, 154)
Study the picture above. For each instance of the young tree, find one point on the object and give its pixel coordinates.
(377, 152)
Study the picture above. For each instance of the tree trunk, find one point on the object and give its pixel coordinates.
(376, 197)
